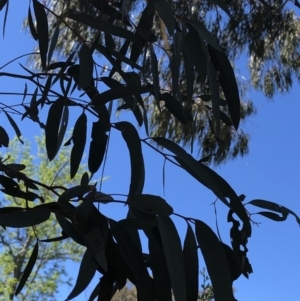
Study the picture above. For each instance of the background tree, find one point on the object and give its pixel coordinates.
(16, 244)
(113, 248)
(268, 31)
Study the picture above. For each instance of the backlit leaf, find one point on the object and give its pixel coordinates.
(134, 259)
(79, 139)
(28, 268)
(133, 142)
(4, 139)
(166, 14)
(174, 256)
(151, 204)
(228, 83)
(87, 270)
(216, 262)
(191, 264)
(42, 30)
(52, 128)
(86, 65)
(15, 126)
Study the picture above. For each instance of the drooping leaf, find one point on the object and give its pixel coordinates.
(225, 118)
(216, 262)
(191, 265)
(137, 223)
(75, 192)
(4, 139)
(151, 204)
(25, 218)
(69, 229)
(86, 65)
(3, 3)
(174, 256)
(28, 268)
(204, 33)
(52, 127)
(228, 83)
(53, 43)
(274, 207)
(174, 107)
(166, 14)
(85, 179)
(134, 259)
(79, 139)
(133, 142)
(154, 67)
(233, 262)
(175, 62)
(31, 25)
(87, 270)
(273, 216)
(14, 126)
(161, 278)
(63, 126)
(42, 30)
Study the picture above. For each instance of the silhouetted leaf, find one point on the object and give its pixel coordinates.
(154, 67)
(134, 260)
(87, 270)
(42, 30)
(233, 262)
(86, 65)
(52, 128)
(174, 107)
(28, 268)
(175, 62)
(75, 192)
(79, 139)
(4, 139)
(69, 229)
(204, 33)
(103, 198)
(53, 43)
(274, 207)
(85, 179)
(25, 218)
(104, 26)
(133, 142)
(228, 83)
(174, 256)
(216, 262)
(63, 126)
(225, 118)
(137, 223)
(151, 204)
(31, 25)
(166, 14)
(191, 264)
(273, 216)
(15, 126)
(2, 4)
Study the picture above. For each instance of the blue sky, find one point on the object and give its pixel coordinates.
(270, 172)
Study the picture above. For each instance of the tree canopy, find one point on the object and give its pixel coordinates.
(200, 68)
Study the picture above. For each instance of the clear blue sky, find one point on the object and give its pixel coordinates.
(270, 171)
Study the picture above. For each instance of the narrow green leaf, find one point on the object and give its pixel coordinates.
(14, 126)
(174, 256)
(53, 43)
(52, 127)
(228, 83)
(79, 139)
(151, 204)
(31, 25)
(28, 268)
(216, 262)
(166, 14)
(42, 30)
(133, 142)
(25, 218)
(134, 259)
(4, 139)
(191, 264)
(86, 65)
(204, 33)
(87, 270)
(154, 66)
